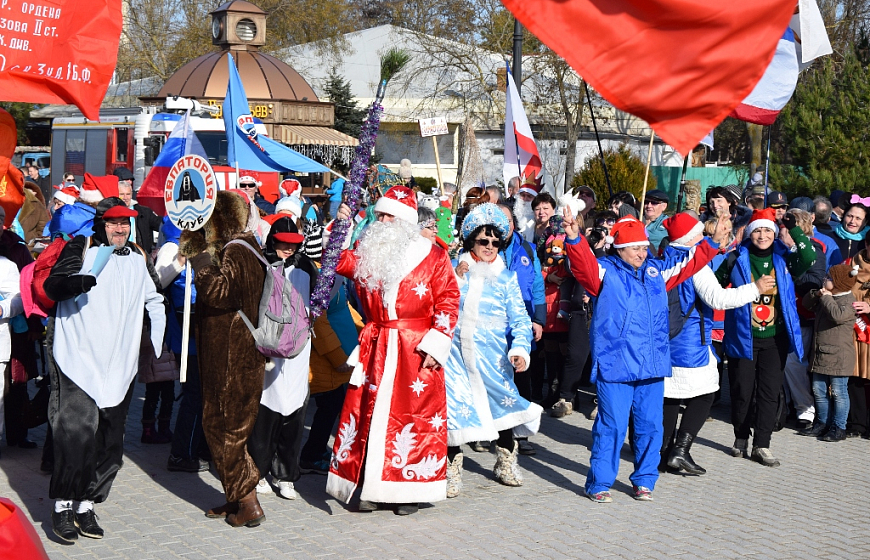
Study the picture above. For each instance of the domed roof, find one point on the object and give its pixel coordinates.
(264, 77)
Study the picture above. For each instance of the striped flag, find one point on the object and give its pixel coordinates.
(181, 142)
(521, 158)
(775, 88)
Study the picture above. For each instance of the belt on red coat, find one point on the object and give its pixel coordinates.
(372, 330)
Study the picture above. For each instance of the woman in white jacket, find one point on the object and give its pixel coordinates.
(10, 306)
(695, 376)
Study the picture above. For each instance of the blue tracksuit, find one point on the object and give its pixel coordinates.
(630, 353)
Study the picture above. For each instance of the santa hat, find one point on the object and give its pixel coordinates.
(289, 187)
(843, 276)
(629, 232)
(96, 188)
(290, 204)
(531, 186)
(400, 202)
(247, 179)
(67, 195)
(682, 228)
(762, 219)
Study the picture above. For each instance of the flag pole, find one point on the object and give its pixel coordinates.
(652, 137)
(185, 328)
(683, 182)
(767, 166)
(595, 127)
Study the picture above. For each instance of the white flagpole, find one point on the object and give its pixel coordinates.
(185, 328)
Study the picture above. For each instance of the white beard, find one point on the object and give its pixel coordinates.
(382, 254)
(525, 218)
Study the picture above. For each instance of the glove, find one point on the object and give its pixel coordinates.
(88, 282)
(789, 221)
(192, 243)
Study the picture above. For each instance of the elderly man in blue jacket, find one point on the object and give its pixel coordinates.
(630, 346)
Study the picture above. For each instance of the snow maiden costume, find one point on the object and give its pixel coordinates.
(391, 427)
(482, 398)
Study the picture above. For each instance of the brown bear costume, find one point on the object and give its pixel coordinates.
(228, 279)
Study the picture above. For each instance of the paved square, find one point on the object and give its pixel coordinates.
(813, 507)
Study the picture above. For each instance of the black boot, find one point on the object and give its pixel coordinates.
(680, 457)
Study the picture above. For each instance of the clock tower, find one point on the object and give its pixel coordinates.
(238, 26)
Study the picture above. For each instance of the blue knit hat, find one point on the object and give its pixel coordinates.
(485, 214)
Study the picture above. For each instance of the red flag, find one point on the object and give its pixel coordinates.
(62, 52)
(681, 65)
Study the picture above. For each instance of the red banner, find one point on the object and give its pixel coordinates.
(681, 65)
(59, 51)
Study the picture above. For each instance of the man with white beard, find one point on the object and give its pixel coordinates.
(392, 436)
(523, 212)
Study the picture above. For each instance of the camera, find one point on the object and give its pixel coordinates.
(596, 235)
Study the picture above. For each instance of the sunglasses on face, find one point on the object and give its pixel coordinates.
(653, 202)
(607, 222)
(248, 186)
(485, 243)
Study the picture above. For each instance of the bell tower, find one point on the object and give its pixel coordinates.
(239, 26)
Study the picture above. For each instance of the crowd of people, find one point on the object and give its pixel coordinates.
(451, 324)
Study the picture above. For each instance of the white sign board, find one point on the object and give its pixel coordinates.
(189, 192)
(433, 126)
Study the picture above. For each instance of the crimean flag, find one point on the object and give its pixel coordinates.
(181, 142)
(681, 65)
(521, 158)
(775, 88)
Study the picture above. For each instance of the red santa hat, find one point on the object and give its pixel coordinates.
(249, 180)
(290, 204)
(67, 195)
(682, 228)
(762, 219)
(290, 187)
(531, 186)
(96, 188)
(629, 232)
(400, 202)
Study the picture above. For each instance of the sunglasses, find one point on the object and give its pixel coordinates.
(653, 201)
(607, 222)
(485, 243)
(248, 186)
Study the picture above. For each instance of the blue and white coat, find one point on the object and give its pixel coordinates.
(482, 398)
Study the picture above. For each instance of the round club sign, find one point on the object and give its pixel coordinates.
(189, 193)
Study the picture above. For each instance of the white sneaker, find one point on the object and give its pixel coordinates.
(286, 490)
(263, 487)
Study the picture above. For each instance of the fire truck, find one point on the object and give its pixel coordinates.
(132, 137)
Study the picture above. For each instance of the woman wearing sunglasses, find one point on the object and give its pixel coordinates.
(482, 399)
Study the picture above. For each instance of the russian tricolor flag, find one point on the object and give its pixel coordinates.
(775, 88)
(181, 142)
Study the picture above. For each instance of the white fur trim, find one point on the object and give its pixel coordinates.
(397, 209)
(65, 198)
(525, 423)
(290, 204)
(353, 359)
(760, 224)
(696, 230)
(631, 244)
(527, 190)
(522, 354)
(339, 488)
(91, 196)
(436, 344)
(375, 489)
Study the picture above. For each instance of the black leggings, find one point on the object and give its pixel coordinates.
(578, 353)
(164, 391)
(697, 410)
(505, 441)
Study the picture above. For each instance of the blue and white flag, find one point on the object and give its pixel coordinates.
(246, 149)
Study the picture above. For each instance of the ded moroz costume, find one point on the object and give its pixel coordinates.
(392, 435)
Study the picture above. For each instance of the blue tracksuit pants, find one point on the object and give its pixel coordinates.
(616, 401)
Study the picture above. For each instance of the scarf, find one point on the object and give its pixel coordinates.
(843, 234)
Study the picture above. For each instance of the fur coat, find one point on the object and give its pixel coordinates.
(231, 368)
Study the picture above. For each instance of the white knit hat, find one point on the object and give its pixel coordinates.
(290, 204)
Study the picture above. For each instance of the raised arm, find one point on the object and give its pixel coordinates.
(584, 265)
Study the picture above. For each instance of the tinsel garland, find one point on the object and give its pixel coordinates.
(351, 195)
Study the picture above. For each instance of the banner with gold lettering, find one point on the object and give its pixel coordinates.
(59, 51)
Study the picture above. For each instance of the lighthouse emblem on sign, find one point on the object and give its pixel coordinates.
(189, 193)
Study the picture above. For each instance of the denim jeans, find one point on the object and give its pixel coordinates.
(839, 397)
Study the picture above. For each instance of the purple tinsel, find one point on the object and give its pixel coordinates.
(352, 193)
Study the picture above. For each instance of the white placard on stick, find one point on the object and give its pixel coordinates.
(433, 126)
(189, 195)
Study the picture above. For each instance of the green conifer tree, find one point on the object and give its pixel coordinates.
(348, 116)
